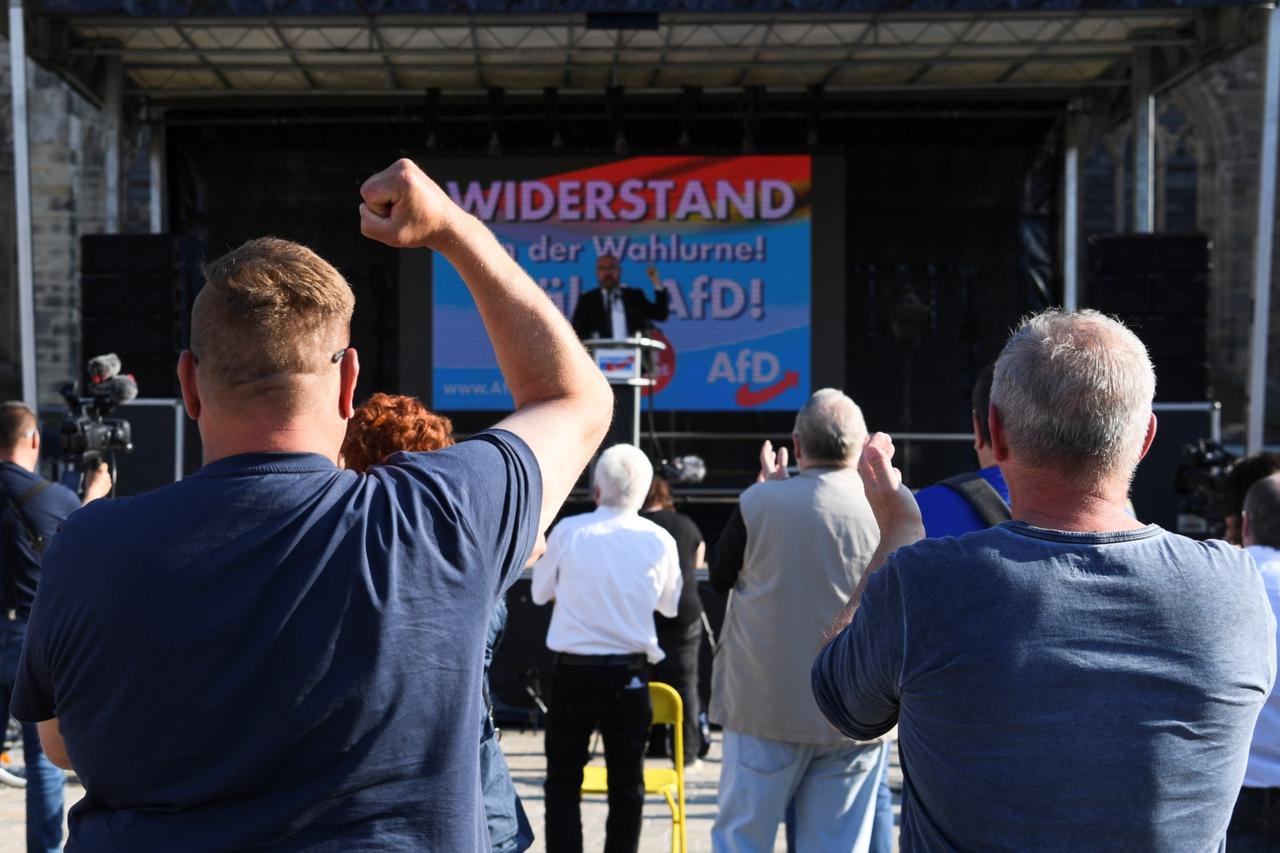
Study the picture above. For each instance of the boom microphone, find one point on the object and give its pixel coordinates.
(118, 389)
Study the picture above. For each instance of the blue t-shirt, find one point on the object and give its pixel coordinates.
(44, 512)
(1059, 691)
(946, 512)
(276, 654)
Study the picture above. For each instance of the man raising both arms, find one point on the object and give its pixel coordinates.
(277, 654)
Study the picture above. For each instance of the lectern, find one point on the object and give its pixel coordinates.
(622, 362)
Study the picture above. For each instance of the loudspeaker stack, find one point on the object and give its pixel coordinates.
(1159, 285)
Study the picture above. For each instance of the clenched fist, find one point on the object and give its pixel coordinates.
(404, 208)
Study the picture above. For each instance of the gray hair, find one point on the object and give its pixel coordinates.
(830, 427)
(622, 476)
(1073, 391)
(1262, 507)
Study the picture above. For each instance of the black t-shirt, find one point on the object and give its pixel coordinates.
(44, 513)
(688, 537)
(274, 654)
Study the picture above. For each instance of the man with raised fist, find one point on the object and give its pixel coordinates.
(277, 654)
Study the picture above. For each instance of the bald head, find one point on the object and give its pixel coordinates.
(1262, 513)
(830, 428)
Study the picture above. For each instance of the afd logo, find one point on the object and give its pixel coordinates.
(617, 363)
(749, 368)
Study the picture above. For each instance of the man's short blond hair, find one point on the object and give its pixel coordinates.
(270, 310)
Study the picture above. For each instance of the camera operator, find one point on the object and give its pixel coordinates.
(32, 510)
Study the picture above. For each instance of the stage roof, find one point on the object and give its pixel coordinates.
(188, 51)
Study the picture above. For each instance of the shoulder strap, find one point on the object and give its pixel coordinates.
(34, 539)
(981, 497)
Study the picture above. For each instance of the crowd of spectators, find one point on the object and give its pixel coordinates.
(289, 650)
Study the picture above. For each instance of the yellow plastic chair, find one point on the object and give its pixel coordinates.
(667, 710)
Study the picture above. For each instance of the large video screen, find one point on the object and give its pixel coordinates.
(726, 238)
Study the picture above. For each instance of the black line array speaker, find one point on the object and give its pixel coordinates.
(1159, 285)
(136, 293)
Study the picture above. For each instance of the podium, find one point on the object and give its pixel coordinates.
(621, 360)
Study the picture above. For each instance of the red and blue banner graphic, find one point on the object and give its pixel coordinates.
(727, 238)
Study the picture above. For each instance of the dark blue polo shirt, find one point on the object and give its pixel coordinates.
(276, 654)
(44, 511)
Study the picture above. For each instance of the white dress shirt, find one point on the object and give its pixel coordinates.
(1263, 770)
(608, 571)
(617, 312)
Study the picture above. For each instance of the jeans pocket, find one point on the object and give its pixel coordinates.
(764, 756)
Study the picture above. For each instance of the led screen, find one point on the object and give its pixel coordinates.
(727, 238)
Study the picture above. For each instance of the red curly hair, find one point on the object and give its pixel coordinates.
(387, 423)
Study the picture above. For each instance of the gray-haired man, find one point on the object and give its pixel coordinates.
(792, 554)
(607, 571)
(1071, 679)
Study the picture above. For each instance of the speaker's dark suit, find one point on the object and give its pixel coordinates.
(591, 318)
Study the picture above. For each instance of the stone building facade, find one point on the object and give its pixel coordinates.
(68, 149)
(1207, 146)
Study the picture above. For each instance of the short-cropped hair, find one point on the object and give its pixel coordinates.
(980, 399)
(1262, 506)
(1073, 390)
(1241, 476)
(830, 427)
(16, 422)
(622, 476)
(269, 309)
(388, 423)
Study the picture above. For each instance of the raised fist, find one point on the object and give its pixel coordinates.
(404, 208)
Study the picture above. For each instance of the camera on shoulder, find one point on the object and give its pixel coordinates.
(89, 433)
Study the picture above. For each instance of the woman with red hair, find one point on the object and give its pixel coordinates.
(388, 423)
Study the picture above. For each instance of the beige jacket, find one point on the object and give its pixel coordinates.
(809, 539)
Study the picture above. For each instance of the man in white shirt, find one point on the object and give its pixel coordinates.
(1255, 822)
(607, 571)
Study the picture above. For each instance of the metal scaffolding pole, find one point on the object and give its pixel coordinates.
(1254, 436)
(1144, 146)
(22, 203)
(113, 114)
(1071, 214)
(155, 160)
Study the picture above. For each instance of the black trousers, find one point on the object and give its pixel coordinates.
(615, 699)
(680, 669)
(1255, 821)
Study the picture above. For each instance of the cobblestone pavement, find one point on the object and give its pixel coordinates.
(524, 754)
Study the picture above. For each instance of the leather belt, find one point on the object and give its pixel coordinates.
(567, 659)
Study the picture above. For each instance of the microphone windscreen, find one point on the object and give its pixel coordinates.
(104, 367)
(121, 389)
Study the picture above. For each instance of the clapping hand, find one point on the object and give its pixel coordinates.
(773, 466)
(894, 506)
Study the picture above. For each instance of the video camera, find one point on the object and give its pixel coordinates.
(88, 433)
(1200, 483)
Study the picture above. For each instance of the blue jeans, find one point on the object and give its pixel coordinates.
(833, 788)
(44, 780)
(883, 832)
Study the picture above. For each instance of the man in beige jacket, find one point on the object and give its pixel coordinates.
(791, 555)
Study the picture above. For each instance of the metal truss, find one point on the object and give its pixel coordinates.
(183, 58)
